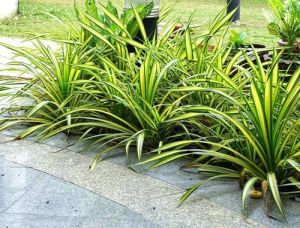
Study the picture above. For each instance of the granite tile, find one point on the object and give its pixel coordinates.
(23, 151)
(196, 212)
(127, 221)
(55, 197)
(14, 182)
(116, 183)
(8, 197)
(38, 221)
(18, 177)
(110, 214)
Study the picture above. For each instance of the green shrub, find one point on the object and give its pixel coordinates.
(49, 99)
(261, 141)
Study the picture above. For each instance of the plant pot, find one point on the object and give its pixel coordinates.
(8, 9)
(234, 5)
(150, 22)
(150, 25)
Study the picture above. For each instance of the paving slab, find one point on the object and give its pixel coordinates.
(52, 202)
(5, 163)
(106, 215)
(142, 193)
(109, 180)
(255, 208)
(12, 177)
(222, 192)
(8, 197)
(228, 194)
(125, 221)
(197, 212)
(60, 140)
(15, 130)
(167, 181)
(5, 139)
(37, 221)
(74, 167)
(54, 197)
(14, 182)
(117, 183)
(24, 152)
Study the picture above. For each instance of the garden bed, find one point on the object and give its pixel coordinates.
(188, 95)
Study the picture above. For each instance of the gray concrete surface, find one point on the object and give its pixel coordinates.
(152, 195)
(62, 177)
(31, 198)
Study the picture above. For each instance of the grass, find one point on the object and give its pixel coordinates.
(31, 20)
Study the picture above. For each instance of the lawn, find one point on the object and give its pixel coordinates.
(31, 20)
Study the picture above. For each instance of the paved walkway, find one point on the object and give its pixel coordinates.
(49, 185)
(31, 198)
(36, 189)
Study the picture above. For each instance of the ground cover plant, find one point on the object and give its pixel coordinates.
(262, 140)
(52, 95)
(188, 93)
